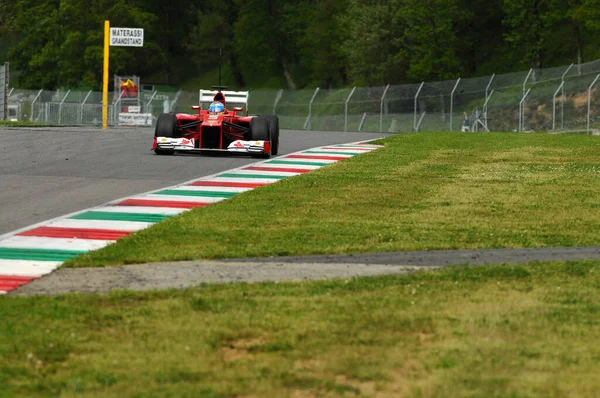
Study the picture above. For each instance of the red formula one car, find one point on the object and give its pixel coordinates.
(217, 128)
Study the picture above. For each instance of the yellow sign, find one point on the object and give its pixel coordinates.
(105, 76)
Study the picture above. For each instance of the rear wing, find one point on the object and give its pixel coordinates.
(231, 97)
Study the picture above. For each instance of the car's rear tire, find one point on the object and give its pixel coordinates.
(259, 131)
(166, 126)
(274, 130)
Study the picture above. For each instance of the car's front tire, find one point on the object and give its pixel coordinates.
(259, 131)
(166, 126)
(274, 131)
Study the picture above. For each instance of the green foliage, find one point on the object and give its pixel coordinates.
(429, 41)
(294, 44)
(62, 42)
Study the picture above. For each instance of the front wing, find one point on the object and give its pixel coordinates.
(189, 145)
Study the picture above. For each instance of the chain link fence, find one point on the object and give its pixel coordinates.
(560, 99)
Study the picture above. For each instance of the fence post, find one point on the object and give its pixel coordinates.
(487, 98)
(522, 114)
(147, 106)
(489, 84)
(80, 119)
(418, 128)
(277, 98)
(33, 103)
(526, 78)
(115, 113)
(485, 109)
(60, 107)
(307, 122)
(172, 106)
(346, 109)
(452, 102)
(521, 110)
(415, 107)
(590, 102)
(362, 121)
(381, 108)
(554, 104)
(562, 98)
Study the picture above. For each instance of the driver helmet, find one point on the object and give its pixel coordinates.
(216, 108)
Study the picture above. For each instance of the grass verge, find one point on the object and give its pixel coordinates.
(494, 331)
(8, 123)
(421, 192)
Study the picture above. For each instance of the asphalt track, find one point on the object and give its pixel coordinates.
(51, 172)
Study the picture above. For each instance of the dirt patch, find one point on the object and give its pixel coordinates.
(301, 268)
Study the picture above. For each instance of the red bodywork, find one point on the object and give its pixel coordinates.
(215, 131)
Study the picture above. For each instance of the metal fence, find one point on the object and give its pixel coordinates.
(560, 99)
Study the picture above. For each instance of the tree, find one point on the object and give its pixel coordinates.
(429, 40)
(62, 42)
(210, 39)
(371, 48)
(319, 42)
(528, 29)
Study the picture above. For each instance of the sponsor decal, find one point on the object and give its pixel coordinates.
(135, 119)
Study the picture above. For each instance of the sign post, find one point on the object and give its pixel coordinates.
(124, 37)
(105, 76)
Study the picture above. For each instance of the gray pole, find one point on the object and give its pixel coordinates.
(485, 108)
(590, 102)
(522, 116)
(452, 102)
(33, 102)
(562, 99)
(81, 107)
(381, 108)
(415, 107)
(115, 114)
(151, 99)
(277, 98)
(487, 98)
(60, 106)
(526, 78)
(489, 84)
(346, 109)
(554, 105)
(307, 122)
(521, 110)
(175, 100)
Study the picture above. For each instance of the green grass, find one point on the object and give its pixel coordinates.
(494, 331)
(422, 191)
(22, 124)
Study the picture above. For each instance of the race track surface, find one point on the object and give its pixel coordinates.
(50, 172)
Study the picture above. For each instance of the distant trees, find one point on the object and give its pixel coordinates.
(297, 43)
(61, 42)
